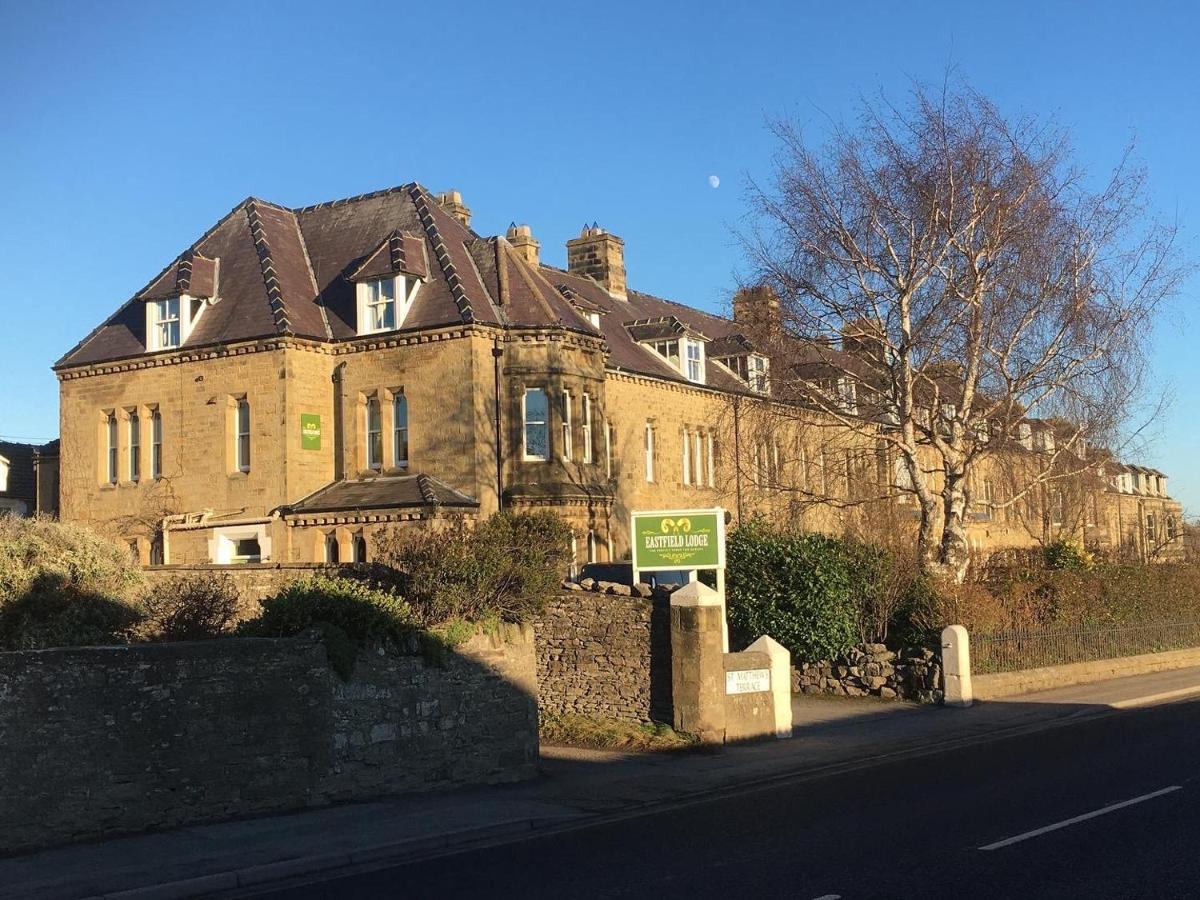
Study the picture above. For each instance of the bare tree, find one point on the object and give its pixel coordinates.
(951, 287)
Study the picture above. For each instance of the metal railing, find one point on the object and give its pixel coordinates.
(1012, 651)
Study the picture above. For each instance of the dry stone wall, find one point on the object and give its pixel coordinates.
(872, 669)
(606, 655)
(106, 740)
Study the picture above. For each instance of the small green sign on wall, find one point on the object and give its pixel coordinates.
(678, 539)
(310, 431)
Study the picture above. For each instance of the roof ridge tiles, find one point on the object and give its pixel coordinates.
(370, 195)
(442, 252)
(274, 294)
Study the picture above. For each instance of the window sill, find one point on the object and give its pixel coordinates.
(396, 471)
(238, 474)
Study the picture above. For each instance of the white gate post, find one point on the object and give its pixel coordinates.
(956, 666)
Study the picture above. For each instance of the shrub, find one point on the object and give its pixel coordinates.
(505, 567)
(55, 613)
(32, 550)
(364, 612)
(191, 608)
(348, 612)
(804, 590)
(1067, 555)
(64, 586)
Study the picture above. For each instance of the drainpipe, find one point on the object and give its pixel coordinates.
(737, 454)
(497, 353)
(339, 467)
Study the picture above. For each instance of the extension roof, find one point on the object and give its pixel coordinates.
(383, 492)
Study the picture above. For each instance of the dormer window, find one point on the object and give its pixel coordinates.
(170, 320)
(164, 328)
(756, 367)
(695, 361)
(383, 303)
(594, 318)
(668, 350)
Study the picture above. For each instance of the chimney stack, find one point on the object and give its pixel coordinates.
(452, 202)
(757, 310)
(522, 240)
(601, 256)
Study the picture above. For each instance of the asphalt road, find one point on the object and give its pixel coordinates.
(916, 827)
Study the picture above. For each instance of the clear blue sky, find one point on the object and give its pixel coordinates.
(126, 129)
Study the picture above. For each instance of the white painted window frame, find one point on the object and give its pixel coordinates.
(404, 291)
(567, 450)
(526, 423)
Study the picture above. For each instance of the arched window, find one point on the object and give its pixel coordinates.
(331, 548)
(591, 546)
(360, 549)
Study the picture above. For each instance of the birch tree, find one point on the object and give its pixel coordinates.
(953, 286)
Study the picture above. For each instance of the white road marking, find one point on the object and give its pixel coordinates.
(1077, 819)
(1155, 698)
(829, 897)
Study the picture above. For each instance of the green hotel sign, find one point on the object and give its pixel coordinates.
(310, 431)
(678, 539)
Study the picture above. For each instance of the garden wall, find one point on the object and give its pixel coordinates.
(254, 581)
(872, 669)
(102, 740)
(605, 655)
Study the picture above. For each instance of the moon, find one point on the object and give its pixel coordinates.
(714, 181)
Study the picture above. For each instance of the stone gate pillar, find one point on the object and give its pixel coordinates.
(697, 662)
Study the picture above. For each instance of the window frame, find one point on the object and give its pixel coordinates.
(373, 431)
(542, 424)
(156, 441)
(588, 451)
(686, 469)
(112, 448)
(134, 428)
(400, 431)
(687, 360)
(241, 435)
(567, 451)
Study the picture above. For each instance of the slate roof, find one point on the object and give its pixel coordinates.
(279, 271)
(382, 492)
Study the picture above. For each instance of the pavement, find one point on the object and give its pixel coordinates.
(1107, 808)
(578, 789)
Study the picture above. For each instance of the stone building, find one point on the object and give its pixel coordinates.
(297, 379)
(28, 478)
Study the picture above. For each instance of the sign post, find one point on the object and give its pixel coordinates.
(688, 539)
